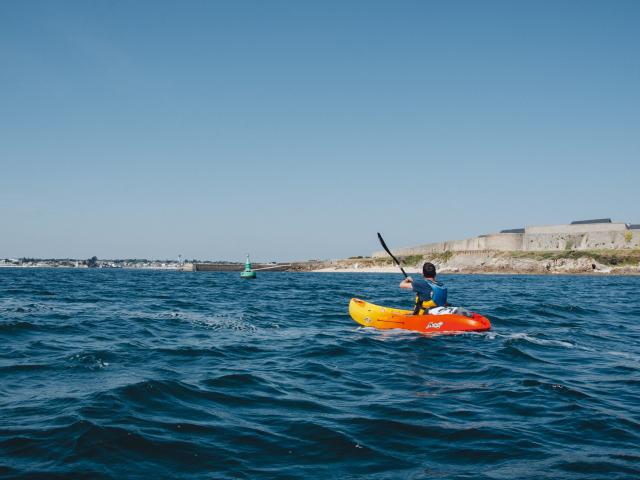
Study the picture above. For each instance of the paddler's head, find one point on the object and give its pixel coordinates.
(429, 270)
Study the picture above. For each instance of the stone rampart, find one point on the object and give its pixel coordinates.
(576, 228)
(596, 240)
(596, 236)
(501, 242)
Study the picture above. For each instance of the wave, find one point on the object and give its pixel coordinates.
(515, 337)
(91, 359)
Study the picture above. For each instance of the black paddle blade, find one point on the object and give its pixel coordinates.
(384, 245)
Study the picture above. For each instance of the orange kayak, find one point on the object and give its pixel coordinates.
(370, 315)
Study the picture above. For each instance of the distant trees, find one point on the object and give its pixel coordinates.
(92, 262)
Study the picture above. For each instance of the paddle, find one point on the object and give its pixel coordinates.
(384, 245)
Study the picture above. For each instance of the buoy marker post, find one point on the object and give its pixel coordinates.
(247, 273)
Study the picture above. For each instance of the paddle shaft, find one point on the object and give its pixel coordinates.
(384, 245)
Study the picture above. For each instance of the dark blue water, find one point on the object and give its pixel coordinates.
(114, 374)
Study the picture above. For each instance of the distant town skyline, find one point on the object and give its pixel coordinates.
(296, 130)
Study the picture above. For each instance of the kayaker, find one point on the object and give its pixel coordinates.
(429, 292)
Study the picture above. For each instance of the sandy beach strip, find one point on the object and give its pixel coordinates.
(354, 269)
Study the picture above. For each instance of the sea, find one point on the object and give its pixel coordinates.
(203, 375)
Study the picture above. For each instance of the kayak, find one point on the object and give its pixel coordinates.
(370, 315)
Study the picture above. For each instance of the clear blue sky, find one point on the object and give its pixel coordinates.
(297, 129)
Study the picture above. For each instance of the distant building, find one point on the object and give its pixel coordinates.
(595, 220)
(513, 230)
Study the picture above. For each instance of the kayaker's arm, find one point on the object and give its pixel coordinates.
(406, 283)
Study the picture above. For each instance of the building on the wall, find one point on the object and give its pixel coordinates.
(595, 220)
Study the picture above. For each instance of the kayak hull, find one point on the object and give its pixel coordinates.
(370, 315)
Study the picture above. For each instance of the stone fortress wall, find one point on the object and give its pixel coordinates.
(582, 235)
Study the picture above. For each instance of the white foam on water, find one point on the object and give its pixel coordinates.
(530, 339)
(89, 361)
(224, 321)
(386, 334)
(628, 356)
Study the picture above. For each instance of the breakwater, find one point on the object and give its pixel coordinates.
(236, 267)
(258, 267)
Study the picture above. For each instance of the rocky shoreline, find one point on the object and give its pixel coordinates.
(610, 262)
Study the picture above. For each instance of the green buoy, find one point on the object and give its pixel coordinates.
(248, 273)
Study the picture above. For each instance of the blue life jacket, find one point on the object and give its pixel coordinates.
(438, 293)
(434, 296)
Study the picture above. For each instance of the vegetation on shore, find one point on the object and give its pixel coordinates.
(605, 257)
(417, 260)
(406, 261)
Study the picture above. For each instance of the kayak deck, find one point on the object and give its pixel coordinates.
(370, 315)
